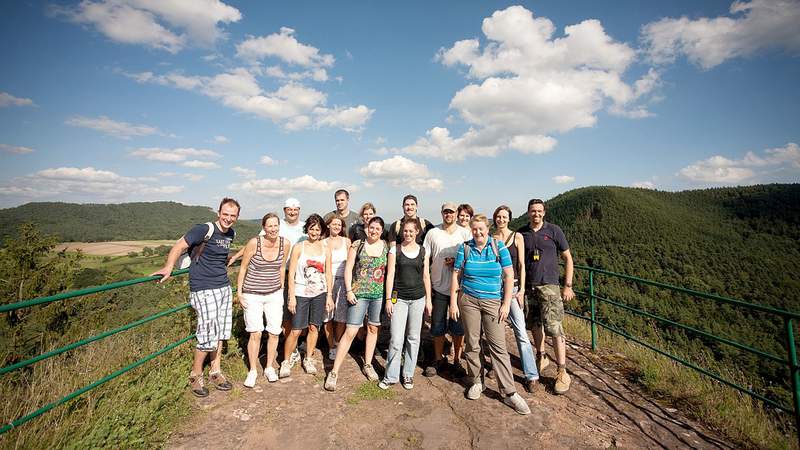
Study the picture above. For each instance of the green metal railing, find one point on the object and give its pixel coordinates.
(788, 317)
(78, 293)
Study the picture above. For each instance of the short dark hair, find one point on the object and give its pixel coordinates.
(467, 208)
(535, 201)
(341, 191)
(315, 219)
(414, 222)
(410, 197)
(377, 219)
(497, 211)
(229, 201)
(268, 216)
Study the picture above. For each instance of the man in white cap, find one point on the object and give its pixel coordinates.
(291, 225)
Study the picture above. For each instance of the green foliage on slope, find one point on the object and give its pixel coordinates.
(72, 222)
(739, 242)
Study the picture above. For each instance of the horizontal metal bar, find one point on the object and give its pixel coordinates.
(688, 364)
(85, 291)
(74, 345)
(717, 298)
(85, 389)
(754, 351)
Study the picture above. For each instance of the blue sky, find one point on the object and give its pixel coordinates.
(482, 102)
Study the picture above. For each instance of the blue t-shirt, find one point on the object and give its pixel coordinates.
(483, 273)
(210, 271)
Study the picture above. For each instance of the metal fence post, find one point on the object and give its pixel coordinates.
(793, 370)
(592, 305)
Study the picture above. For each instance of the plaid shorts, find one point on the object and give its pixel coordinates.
(214, 316)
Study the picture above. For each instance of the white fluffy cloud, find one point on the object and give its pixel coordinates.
(167, 25)
(293, 105)
(221, 139)
(267, 161)
(400, 171)
(531, 84)
(643, 184)
(283, 45)
(85, 184)
(753, 167)
(173, 155)
(197, 164)
(281, 187)
(7, 99)
(103, 124)
(19, 150)
(708, 42)
(247, 173)
(563, 179)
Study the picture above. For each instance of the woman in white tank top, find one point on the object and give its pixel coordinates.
(336, 321)
(309, 285)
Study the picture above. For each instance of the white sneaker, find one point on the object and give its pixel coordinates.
(309, 367)
(270, 374)
(294, 358)
(286, 369)
(474, 391)
(250, 381)
(385, 385)
(518, 403)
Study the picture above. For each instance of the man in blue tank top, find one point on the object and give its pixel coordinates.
(209, 291)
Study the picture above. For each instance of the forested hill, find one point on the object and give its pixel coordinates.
(112, 222)
(742, 242)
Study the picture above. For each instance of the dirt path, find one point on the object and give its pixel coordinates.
(601, 410)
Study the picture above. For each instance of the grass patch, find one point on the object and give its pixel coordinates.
(736, 415)
(369, 390)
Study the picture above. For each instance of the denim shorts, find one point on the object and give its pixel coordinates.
(309, 311)
(371, 307)
(440, 320)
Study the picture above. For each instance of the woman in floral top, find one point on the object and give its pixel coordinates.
(364, 280)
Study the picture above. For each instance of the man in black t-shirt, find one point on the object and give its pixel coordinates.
(545, 243)
(209, 291)
(394, 236)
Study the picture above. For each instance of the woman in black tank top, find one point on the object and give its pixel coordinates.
(408, 292)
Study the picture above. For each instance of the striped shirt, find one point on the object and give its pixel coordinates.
(263, 277)
(483, 273)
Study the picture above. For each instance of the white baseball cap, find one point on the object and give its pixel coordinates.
(291, 202)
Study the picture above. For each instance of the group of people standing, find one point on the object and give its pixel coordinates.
(342, 272)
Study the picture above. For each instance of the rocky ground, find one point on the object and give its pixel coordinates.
(601, 410)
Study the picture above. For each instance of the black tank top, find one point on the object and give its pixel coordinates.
(408, 274)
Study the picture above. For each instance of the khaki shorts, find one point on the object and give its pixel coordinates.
(545, 307)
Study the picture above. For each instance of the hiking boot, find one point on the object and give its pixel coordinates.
(542, 361)
(408, 383)
(458, 371)
(369, 372)
(330, 382)
(270, 374)
(434, 368)
(563, 380)
(198, 385)
(219, 381)
(385, 385)
(286, 368)
(531, 385)
(309, 367)
(518, 403)
(474, 391)
(250, 381)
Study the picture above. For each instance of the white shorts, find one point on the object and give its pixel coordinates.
(260, 307)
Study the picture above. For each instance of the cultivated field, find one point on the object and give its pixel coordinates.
(112, 248)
